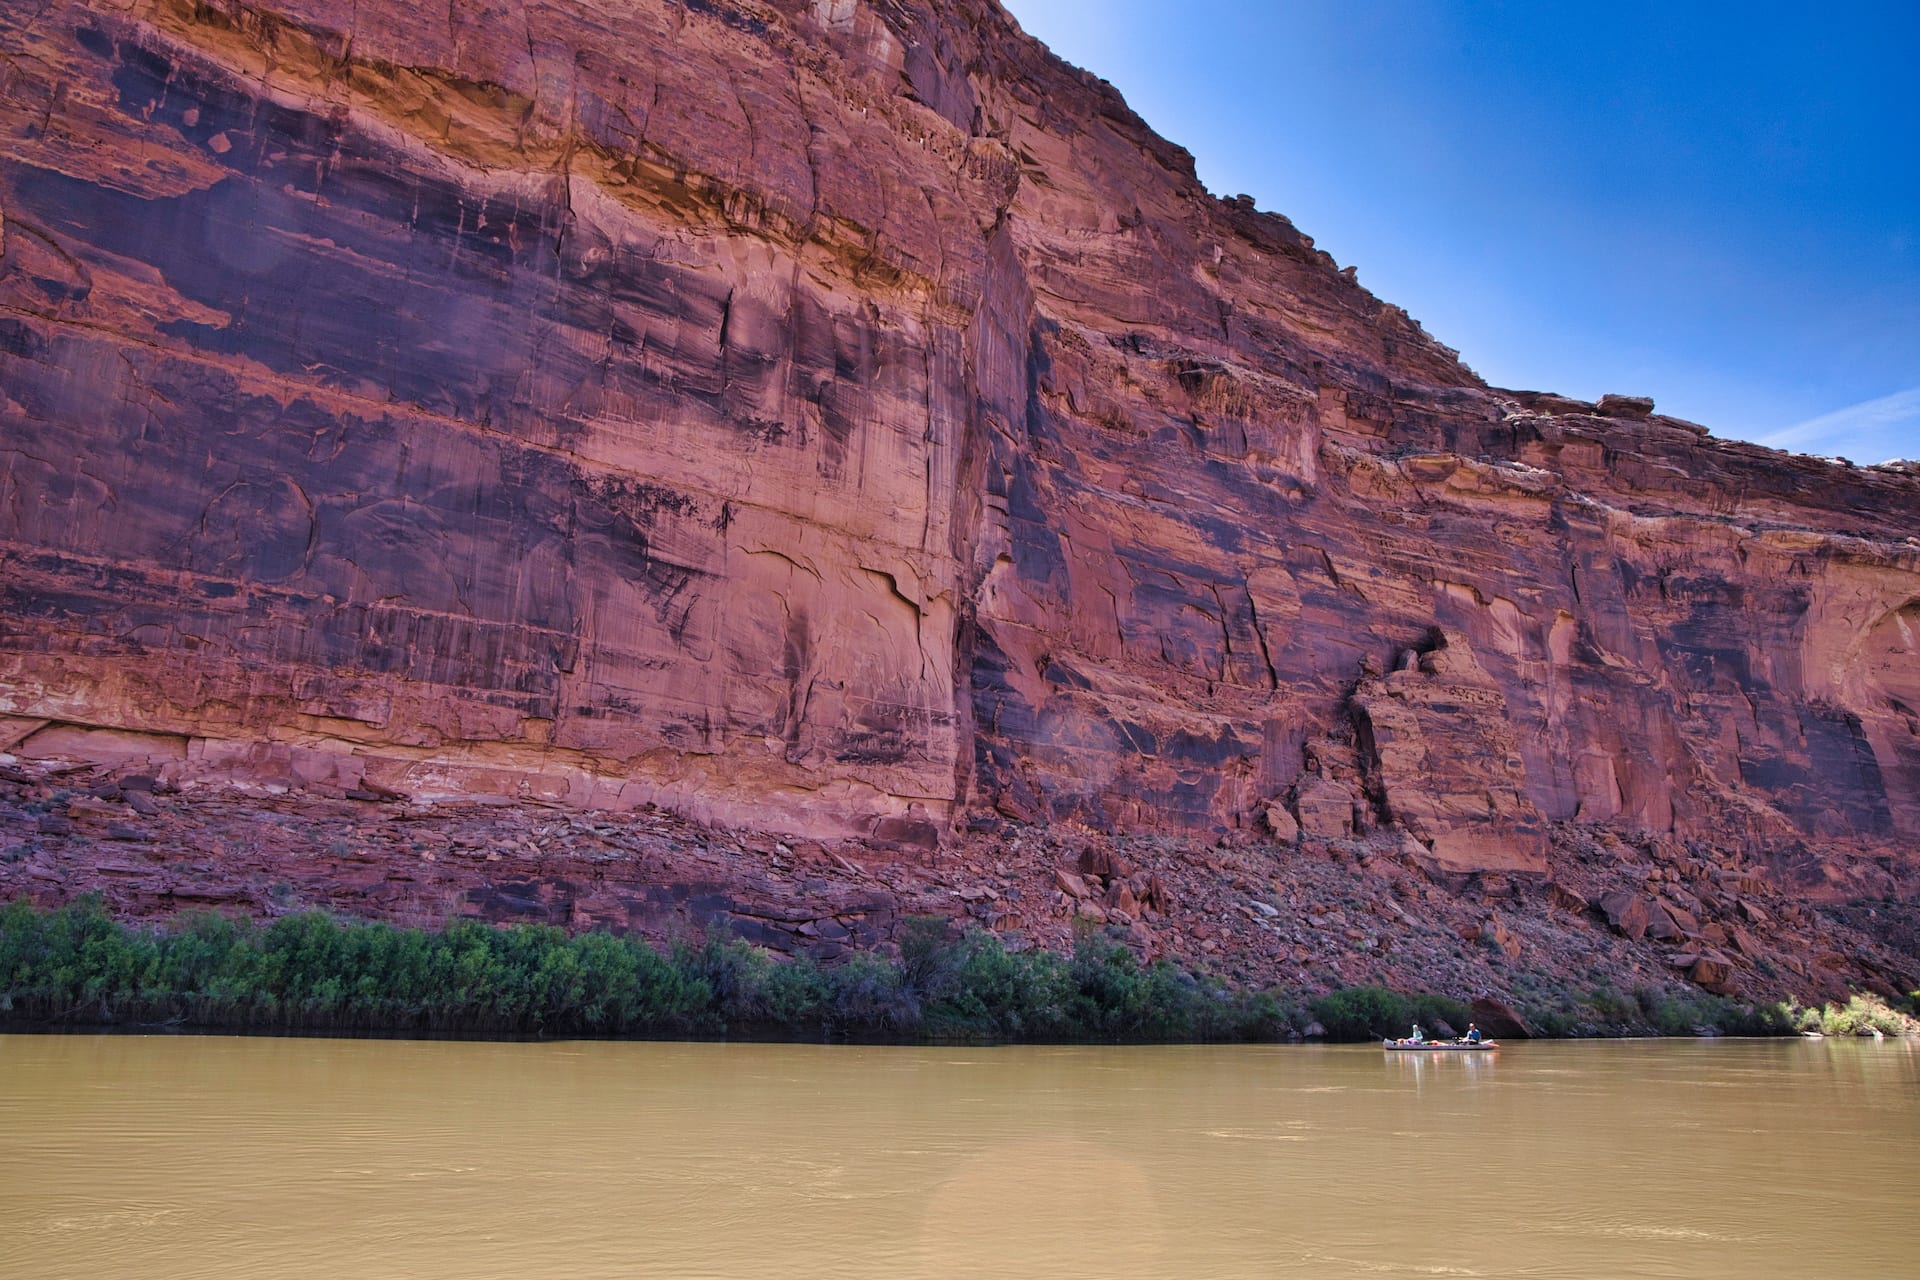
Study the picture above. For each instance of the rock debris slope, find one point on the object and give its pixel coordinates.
(846, 419)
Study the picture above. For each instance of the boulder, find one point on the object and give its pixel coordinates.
(1096, 860)
(1281, 823)
(1566, 899)
(1661, 926)
(1498, 1020)
(1627, 912)
(1153, 893)
(1684, 920)
(1071, 885)
(1714, 973)
(1325, 808)
(1625, 406)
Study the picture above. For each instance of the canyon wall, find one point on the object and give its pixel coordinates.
(845, 418)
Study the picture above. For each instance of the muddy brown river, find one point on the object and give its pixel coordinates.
(165, 1157)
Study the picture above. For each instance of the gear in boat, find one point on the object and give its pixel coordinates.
(1469, 1042)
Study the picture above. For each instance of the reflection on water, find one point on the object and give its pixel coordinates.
(174, 1157)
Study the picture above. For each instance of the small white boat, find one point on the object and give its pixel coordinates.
(1439, 1046)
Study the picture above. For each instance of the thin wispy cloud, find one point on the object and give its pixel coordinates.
(1871, 431)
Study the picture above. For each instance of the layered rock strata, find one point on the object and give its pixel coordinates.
(846, 419)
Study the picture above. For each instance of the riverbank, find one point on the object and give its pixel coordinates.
(78, 967)
(1626, 931)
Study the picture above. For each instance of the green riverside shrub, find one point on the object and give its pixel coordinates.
(76, 966)
(1860, 1015)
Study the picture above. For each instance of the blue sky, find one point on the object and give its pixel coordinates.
(1716, 205)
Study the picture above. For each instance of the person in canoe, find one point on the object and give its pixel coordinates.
(1416, 1037)
(1472, 1036)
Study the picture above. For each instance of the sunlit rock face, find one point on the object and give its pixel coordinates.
(845, 418)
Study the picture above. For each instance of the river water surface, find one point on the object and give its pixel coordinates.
(171, 1157)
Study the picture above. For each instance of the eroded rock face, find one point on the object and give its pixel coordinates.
(1449, 767)
(845, 418)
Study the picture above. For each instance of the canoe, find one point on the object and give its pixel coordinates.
(1438, 1046)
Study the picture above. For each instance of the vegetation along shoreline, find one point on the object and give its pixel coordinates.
(78, 968)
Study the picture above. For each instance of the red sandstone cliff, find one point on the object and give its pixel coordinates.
(844, 418)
